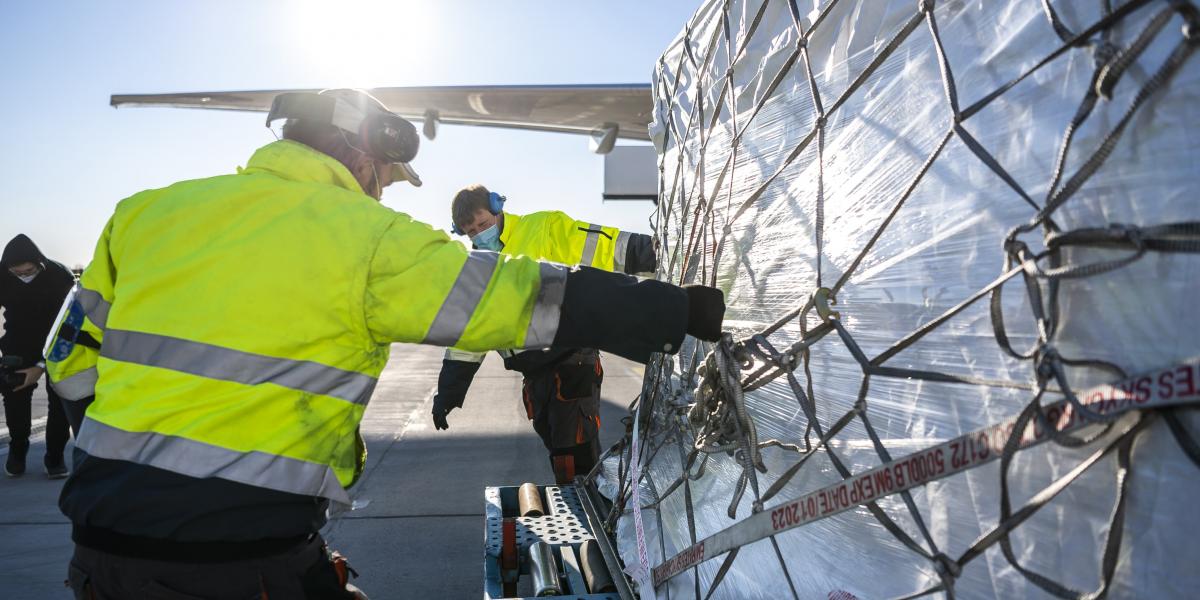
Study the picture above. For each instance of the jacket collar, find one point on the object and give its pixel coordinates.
(296, 162)
(511, 223)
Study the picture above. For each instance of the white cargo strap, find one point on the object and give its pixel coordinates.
(938, 462)
(639, 572)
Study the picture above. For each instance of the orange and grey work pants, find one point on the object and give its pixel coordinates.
(564, 404)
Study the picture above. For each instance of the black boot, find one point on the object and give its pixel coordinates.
(55, 467)
(15, 465)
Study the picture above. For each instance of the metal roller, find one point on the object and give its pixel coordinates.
(595, 572)
(529, 501)
(544, 570)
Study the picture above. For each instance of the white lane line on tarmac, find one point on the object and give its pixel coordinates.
(362, 490)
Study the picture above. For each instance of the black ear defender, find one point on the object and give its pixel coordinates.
(495, 206)
(380, 133)
(390, 137)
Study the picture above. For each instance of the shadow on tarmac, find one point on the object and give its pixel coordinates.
(420, 535)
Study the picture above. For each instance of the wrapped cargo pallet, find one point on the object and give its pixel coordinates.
(961, 264)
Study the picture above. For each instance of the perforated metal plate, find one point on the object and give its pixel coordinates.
(564, 525)
(563, 522)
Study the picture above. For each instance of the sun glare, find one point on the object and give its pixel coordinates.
(364, 43)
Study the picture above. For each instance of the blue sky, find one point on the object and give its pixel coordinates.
(68, 157)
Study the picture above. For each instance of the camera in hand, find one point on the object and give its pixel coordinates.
(10, 379)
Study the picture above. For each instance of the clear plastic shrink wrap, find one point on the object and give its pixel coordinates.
(907, 212)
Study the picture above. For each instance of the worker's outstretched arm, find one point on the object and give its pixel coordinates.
(603, 247)
(424, 288)
(74, 344)
(633, 318)
(458, 370)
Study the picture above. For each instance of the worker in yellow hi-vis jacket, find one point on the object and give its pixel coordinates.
(242, 321)
(561, 387)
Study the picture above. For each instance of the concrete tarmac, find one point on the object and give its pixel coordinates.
(419, 530)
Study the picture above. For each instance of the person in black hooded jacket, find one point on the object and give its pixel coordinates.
(32, 289)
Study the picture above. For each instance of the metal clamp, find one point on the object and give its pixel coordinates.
(822, 299)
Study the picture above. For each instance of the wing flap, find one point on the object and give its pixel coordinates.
(558, 108)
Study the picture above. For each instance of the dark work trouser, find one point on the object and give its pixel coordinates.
(304, 571)
(18, 410)
(75, 411)
(564, 404)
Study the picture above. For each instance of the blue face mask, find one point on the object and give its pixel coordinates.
(488, 239)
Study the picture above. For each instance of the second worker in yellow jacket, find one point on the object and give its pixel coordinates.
(561, 387)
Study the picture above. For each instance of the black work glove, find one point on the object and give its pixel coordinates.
(453, 382)
(441, 408)
(706, 310)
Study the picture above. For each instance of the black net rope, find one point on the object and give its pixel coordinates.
(707, 400)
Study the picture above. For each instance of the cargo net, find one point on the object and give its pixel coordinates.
(698, 406)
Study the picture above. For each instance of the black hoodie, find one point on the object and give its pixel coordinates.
(30, 308)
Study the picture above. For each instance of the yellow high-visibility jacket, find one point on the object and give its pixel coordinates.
(244, 320)
(555, 236)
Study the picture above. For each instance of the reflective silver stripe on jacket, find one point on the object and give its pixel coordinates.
(620, 251)
(226, 364)
(589, 246)
(94, 306)
(460, 303)
(201, 460)
(78, 386)
(464, 356)
(543, 323)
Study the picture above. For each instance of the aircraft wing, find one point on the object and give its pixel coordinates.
(587, 109)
